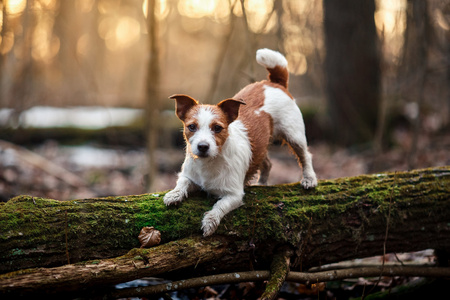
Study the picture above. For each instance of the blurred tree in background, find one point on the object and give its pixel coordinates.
(352, 68)
(363, 72)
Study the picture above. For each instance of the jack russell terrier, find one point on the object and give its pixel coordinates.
(227, 143)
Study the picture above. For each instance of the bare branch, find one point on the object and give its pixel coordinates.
(279, 270)
(300, 277)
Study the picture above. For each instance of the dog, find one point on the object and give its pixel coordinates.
(227, 144)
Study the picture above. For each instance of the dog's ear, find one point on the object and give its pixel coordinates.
(231, 108)
(183, 104)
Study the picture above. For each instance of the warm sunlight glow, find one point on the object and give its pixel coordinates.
(297, 63)
(161, 6)
(441, 20)
(44, 44)
(390, 20)
(128, 30)
(82, 45)
(257, 13)
(222, 11)
(7, 42)
(197, 8)
(107, 6)
(48, 5)
(14, 7)
(119, 33)
(84, 6)
(390, 17)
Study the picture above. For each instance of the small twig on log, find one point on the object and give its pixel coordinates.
(300, 277)
(279, 269)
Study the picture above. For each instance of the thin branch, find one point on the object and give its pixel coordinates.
(229, 278)
(300, 277)
(279, 270)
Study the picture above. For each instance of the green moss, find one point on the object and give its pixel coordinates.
(280, 213)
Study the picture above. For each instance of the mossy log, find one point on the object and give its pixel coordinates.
(341, 219)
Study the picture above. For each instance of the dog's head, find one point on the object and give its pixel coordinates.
(206, 126)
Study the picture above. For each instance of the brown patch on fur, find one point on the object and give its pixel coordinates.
(259, 124)
(183, 104)
(230, 108)
(279, 75)
(223, 121)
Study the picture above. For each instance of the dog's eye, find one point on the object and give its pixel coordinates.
(192, 128)
(217, 128)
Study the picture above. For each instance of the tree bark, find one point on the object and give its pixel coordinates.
(414, 64)
(352, 68)
(341, 219)
(137, 263)
(152, 102)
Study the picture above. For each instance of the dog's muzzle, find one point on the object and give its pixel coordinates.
(203, 149)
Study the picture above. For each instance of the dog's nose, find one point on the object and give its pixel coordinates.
(203, 148)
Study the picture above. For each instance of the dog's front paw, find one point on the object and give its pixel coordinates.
(210, 222)
(173, 197)
(309, 182)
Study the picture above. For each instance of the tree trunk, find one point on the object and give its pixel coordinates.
(341, 219)
(352, 68)
(414, 65)
(152, 102)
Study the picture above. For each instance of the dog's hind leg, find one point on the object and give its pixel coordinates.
(305, 158)
(292, 130)
(266, 165)
(288, 124)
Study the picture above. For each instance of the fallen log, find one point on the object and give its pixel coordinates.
(137, 263)
(341, 219)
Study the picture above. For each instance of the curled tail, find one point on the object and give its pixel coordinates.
(276, 64)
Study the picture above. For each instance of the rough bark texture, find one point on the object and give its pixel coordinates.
(352, 69)
(341, 219)
(137, 263)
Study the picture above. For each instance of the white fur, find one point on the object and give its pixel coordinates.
(285, 113)
(205, 116)
(222, 176)
(270, 59)
(288, 124)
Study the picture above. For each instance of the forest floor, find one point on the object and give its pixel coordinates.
(109, 171)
